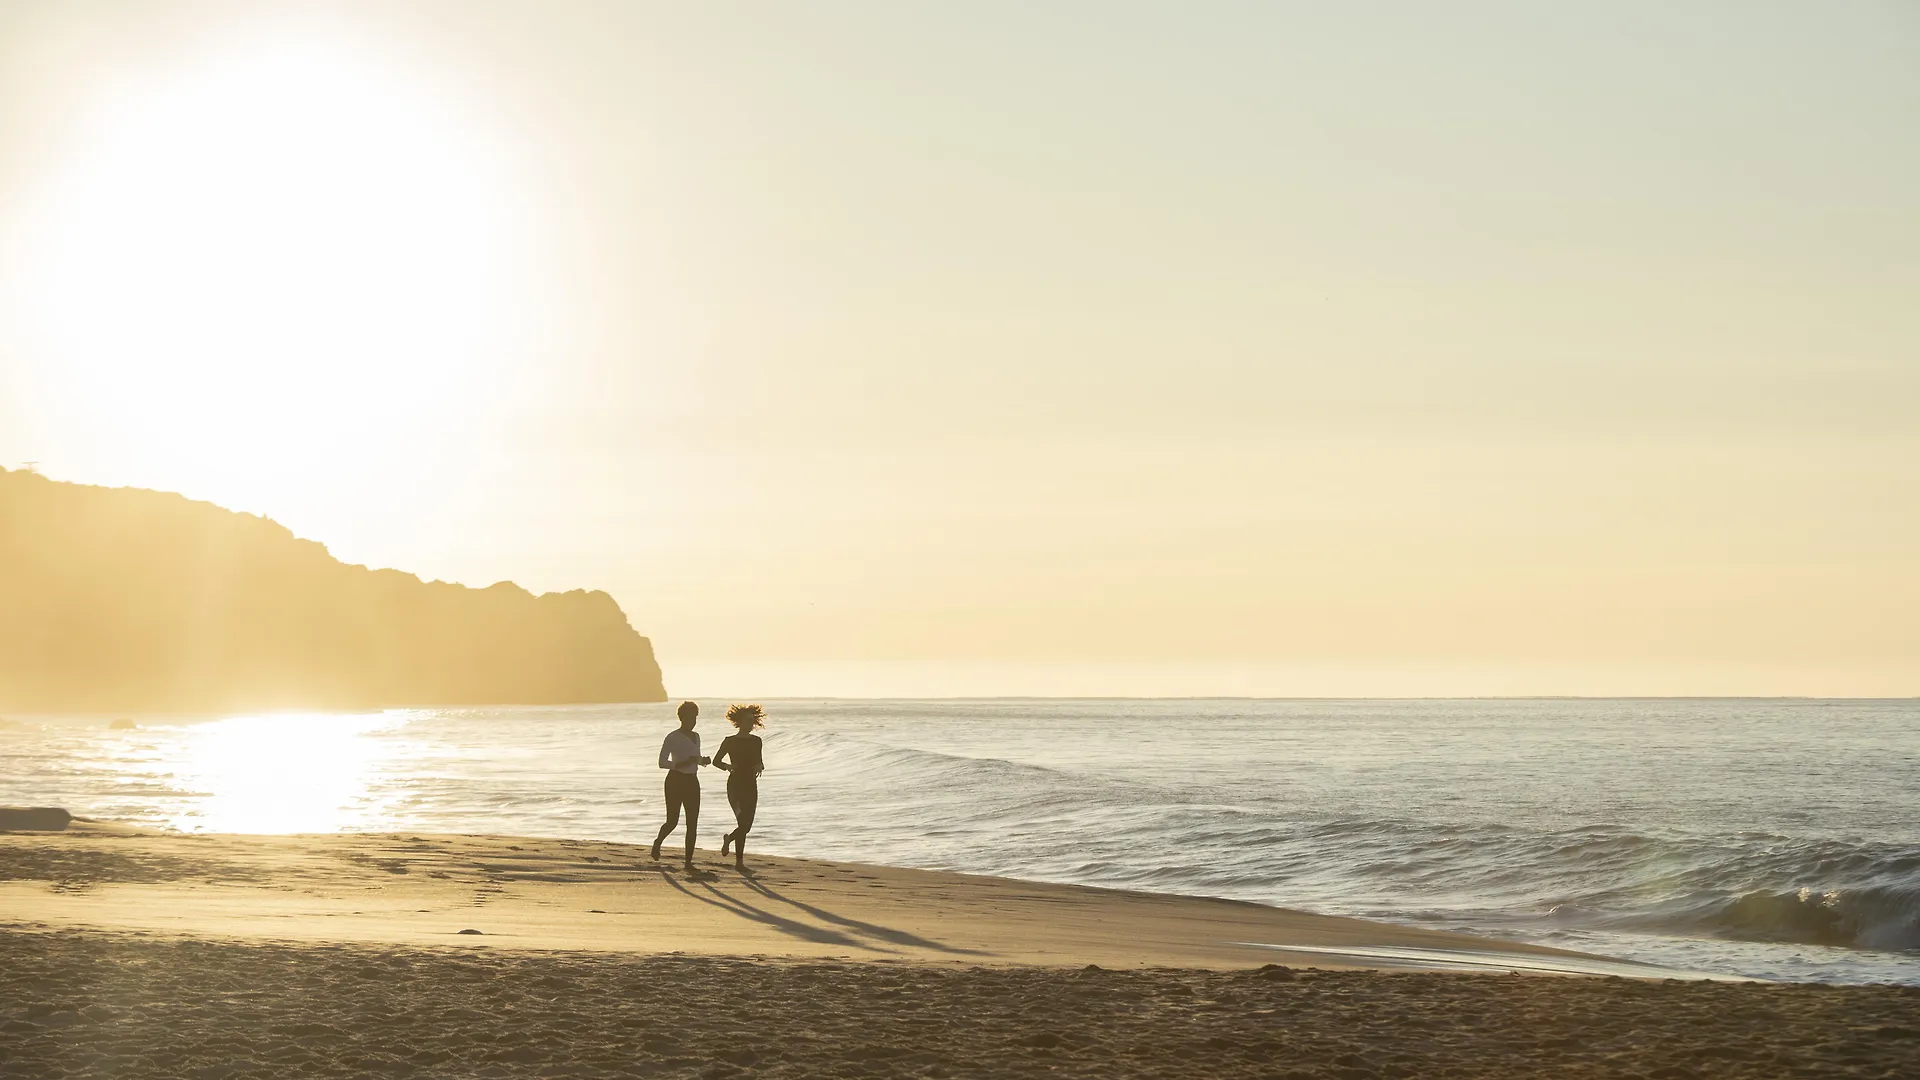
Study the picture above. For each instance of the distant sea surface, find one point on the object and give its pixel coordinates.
(1772, 838)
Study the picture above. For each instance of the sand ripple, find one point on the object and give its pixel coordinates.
(77, 1004)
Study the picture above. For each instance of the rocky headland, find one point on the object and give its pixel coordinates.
(128, 600)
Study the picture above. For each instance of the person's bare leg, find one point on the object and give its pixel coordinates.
(745, 800)
(733, 800)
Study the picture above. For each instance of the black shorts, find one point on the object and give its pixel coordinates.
(743, 794)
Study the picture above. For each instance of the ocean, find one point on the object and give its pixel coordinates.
(1777, 839)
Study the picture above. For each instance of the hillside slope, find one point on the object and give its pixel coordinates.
(126, 600)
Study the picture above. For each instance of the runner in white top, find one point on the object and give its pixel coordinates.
(680, 756)
(681, 751)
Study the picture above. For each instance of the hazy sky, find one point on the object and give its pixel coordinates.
(902, 348)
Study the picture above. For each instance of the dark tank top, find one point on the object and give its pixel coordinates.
(743, 756)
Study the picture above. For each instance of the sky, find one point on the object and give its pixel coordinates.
(892, 348)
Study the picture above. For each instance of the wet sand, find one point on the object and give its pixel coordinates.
(125, 954)
(527, 893)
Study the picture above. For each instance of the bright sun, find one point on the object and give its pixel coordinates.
(282, 253)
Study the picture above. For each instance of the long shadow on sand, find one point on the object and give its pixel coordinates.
(819, 935)
(872, 930)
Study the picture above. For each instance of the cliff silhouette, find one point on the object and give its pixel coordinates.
(126, 600)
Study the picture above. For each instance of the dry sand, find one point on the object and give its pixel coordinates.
(132, 954)
(546, 894)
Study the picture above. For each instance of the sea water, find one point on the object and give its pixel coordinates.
(1769, 838)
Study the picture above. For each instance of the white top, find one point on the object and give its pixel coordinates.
(681, 751)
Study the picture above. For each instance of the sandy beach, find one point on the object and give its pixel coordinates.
(133, 953)
(547, 894)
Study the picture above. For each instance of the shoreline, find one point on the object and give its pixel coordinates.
(130, 953)
(417, 889)
(1706, 876)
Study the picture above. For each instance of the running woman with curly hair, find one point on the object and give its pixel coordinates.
(739, 755)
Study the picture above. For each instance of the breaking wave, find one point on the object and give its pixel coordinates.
(1765, 838)
(1086, 829)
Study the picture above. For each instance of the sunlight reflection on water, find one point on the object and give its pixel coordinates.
(1672, 832)
(281, 773)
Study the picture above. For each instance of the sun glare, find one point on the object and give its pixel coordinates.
(271, 257)
(282, 773)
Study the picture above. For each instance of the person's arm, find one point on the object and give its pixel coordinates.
(666, 752)
(720, 755)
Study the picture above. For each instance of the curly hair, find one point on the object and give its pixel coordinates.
(746, 717)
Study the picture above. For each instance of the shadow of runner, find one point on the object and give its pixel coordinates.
(819, 935)
(873, 930)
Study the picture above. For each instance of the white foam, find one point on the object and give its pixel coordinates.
(1493, 960)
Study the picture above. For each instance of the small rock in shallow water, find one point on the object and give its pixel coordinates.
(469, 931)
(34, 818)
